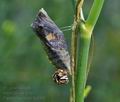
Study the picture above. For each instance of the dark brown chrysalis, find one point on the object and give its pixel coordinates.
(54, 44)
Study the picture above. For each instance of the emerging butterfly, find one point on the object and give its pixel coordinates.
(54, 44)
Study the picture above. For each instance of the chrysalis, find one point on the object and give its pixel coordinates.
(54, 44)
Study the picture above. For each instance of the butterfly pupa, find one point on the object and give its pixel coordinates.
(54, 43)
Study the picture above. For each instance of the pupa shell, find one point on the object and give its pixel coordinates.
(53, 41)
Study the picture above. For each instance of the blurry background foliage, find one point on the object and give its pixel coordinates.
(25, 72)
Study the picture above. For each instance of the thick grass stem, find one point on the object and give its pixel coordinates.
(81, 33)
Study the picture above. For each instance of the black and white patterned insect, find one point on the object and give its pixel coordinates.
(54, 44)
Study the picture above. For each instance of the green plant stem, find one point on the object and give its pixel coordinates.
(82, 68)
(74, 43)
(75, 30)
(85, 38)
(94, 14)
(74, 58)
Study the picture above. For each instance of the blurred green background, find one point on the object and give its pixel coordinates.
(25, 72)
